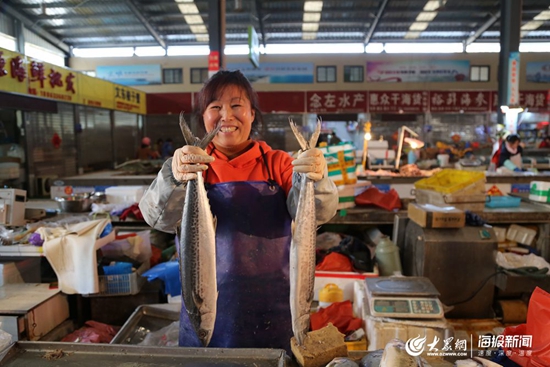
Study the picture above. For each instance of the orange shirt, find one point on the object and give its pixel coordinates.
(250, 166)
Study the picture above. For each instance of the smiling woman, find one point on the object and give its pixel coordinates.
(253, 192)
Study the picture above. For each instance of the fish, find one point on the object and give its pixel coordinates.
(302, 247)
(197, 249)
(395, 354)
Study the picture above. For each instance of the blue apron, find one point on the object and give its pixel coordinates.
(252, 258)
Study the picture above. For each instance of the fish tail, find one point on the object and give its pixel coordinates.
(301, 140)
(209, 136)
(315, 135)
(186, 131)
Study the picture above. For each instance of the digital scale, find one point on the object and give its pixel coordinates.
(403, 298)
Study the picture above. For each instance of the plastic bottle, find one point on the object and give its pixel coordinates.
(387, 257)
(329, 294)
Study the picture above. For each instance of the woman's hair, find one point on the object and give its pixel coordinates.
(215, 86)
(512, 138)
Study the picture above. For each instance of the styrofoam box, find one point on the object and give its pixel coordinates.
(344, 280)
(500, 232)
(521, 234)
(124, 194)
(541, 186)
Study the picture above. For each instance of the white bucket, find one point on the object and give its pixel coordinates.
(443, 159)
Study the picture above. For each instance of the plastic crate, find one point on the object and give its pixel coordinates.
(460, 201)
(449, 181)
(502, 202)
(122, 284)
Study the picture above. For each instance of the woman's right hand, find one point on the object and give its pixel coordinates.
(188, 161)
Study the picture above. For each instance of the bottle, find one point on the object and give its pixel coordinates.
(329, 294)
(387, 257)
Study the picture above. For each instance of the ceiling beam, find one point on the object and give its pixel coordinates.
(260, 20)
(33, 27)
(375, 21)
(146, 23)
(488, 24)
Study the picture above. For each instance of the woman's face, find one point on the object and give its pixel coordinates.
(514, 145)
(234, 111)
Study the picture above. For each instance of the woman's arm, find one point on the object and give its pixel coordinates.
(162, 203)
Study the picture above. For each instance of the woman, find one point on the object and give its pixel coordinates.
(145, 151)
(509, 154)
(253, 192)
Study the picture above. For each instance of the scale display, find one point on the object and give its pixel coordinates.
(403, 297)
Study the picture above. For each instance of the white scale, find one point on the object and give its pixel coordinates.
(403, 297)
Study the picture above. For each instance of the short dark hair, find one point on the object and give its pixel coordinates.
(512, 138)
(215, 86)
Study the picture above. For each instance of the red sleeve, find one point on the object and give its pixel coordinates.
(281, 162)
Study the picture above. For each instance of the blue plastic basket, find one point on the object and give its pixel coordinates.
(502, 202)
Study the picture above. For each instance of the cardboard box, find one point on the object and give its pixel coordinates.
(431, 216)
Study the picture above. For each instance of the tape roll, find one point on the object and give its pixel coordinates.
(513, 311)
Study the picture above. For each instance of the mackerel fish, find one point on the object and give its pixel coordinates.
(302, 247)
(197, 249)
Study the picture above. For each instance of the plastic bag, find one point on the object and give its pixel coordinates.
(340, 314)
(136, 246)
(373, 196)
(169, 273)
(538, 323)
(165, 337)
(335, 262)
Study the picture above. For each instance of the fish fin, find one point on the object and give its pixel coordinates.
(209, 136)
(186, 131)
(301, 140)
(315, 135)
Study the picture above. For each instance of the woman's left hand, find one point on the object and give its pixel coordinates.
(312, 163)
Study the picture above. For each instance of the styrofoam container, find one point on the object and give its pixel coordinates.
(124, 194)
(521, 234)
(500, 233)
(539, 191)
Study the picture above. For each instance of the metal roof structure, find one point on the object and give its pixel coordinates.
(107, 23)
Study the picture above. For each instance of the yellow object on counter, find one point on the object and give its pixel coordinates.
(331, 293)
(357, 344)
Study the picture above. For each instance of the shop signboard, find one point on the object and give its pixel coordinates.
(131, 74)
(95, 92)
(397, 101)
(512, 94)
(13, 72)
(52, 82)
(460, 101)
(418, 71)
(276, 72)
(128, 99)
(533, 101)
(336, 101)
(538, 72)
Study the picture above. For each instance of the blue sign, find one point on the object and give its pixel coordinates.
(131, 74)
(538, 72)
(275, 72)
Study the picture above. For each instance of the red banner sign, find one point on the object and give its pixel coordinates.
(398, 102)
(460, 101)
(534, 101)
(336, 101)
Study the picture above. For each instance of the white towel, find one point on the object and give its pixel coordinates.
(71, 252)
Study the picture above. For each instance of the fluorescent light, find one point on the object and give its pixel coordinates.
(534, 47)
(312, 17)
(236, 50)
(309, 35)
(534, 24)
(188, 8)
(150, 51)
(432, 5)
(374, 48)
(188, 50)
(483, 47)
(310, 27)
(193, 19)
(315, 48)
(104, 52)
(7, 42)
(191, 14)
(313, 6)
(426, 16)
(418, 26)
(423, 47)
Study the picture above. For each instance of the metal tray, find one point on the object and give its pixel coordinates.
(24, 354)
(142, 321)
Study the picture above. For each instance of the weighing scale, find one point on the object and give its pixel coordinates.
(403, 298)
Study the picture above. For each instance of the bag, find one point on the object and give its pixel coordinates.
(373, 196)
(538, 323)
(340, 163)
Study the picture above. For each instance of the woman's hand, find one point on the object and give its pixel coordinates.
(188, 161)
(312, 163)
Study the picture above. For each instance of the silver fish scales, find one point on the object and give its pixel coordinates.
(302, 247)
(197, 249)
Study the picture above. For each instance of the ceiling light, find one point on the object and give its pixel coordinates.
(193, 19)
(418, 26)
(312, 17)
(433, 5)
(188, 8)
(310, 27)
(313, 6)
(426, 16)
